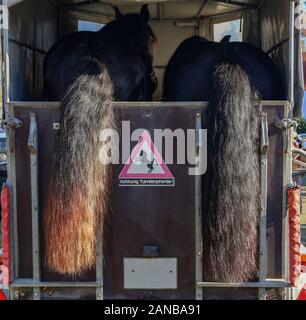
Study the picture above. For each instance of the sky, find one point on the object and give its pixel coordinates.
(88, 26)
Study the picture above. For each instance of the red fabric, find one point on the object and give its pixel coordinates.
(302, 295)
(294, 196)
(2, 296)
(5, 203)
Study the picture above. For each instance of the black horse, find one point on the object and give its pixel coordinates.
(190, 73)
(123, 47)
(87, 71)
(233, 77)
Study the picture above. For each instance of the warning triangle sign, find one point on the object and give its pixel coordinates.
(145, 166)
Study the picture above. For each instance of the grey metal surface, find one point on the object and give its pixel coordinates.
(30, 283)
(291, 52)
(11, 183)
(33, 149)
(263, 209)
(150, 273)
(32, 30)
(198, 215)
(121, 105)
(273, 283)
(99, 265)
(287, 180)
(276, 107)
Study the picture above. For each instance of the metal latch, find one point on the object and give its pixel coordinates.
(264, 134)
(13, 123)
(286, 124)
(150, 251)
(56, 126)
(32, 141)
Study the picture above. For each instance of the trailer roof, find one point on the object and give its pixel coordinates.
(169, 9)
(129, 2)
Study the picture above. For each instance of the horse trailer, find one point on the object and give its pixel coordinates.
(153, 242)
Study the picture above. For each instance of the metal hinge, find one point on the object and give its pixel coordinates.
(13, 123)
(286, 124)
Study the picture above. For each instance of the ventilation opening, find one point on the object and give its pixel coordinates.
(89, 26)
(232, 28)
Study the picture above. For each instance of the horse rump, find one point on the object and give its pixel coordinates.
(231, 221)
(76, 207)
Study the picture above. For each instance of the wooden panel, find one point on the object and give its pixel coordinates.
(160, 216)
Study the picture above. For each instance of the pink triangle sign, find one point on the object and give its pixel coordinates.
(145, 166)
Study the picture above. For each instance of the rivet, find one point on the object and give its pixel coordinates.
(56, 126)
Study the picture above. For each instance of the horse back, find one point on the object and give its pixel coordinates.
(65, 61)
(87, 53)
(190, 72)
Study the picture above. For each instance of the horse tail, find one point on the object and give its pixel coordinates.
(78, 191)
(231, 222)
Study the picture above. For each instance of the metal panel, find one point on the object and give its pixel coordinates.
(142, 217)
(263, 208)
(99, 267)
(277, 184)
(147, 212)
(198, 215)
(268, 283)
(274, 31)
(154, 273)
(32, 31)
(33, 149)
(170, 9)
(11, 182)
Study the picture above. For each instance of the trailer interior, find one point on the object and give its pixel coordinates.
(34, 26)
